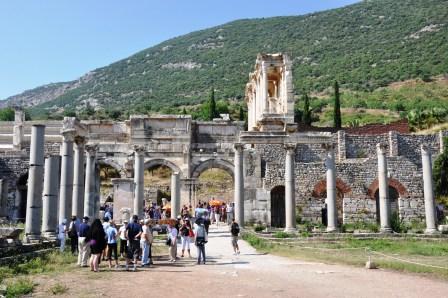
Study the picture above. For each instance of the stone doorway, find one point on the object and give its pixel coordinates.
(278, 207)
(21, 197)
(393, 200)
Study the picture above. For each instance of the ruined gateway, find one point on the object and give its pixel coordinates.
(279, 171)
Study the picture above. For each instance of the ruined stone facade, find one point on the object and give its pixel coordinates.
(190, 147)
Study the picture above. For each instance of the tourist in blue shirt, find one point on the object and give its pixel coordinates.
(83, 245)
(111, 234)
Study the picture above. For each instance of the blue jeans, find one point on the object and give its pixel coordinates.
(201, 251)
(145, 252)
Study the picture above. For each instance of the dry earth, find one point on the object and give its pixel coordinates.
(248, 275)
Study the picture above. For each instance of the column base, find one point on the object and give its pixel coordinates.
(332, 229)
(289, 229)
(431, 231)
(385, 230)
(32, 238)
(51, 236)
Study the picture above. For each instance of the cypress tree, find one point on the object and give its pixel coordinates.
(241, 114)
(306, 110)
(213, 113)
(337, 107)
(184, 111)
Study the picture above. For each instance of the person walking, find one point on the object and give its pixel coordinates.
(200, 239)
(185, 232)
(133, 233)
(83, 244)
(97, 241)
(62, 231)
(217, 215)
(172, 236)
(229, 211)
(123, 241)
(111, 234)
(72, 233)
(235, 231)
(145, 242)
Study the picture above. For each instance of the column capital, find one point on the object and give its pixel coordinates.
(80, 141)
(239, 147)
(139, 150)
(381, 148)
(91, 148)
(290, 147)
(426, 150)
(68, 135)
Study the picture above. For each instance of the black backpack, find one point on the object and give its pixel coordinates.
(235, 229)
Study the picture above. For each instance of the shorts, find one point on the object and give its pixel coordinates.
(234, 240)
(133, 249)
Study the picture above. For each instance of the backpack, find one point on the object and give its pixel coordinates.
(200, 233)
(235, 229)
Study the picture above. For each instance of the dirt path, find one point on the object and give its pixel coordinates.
(248, 275)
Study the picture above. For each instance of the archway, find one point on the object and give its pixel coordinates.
(320, 191)
(21, 197)
(393, 201)
(213, 164)
(278, 207)
(214, 183)
(106, 173)
(157, 188)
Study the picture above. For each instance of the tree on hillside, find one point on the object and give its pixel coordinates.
(7, 114)
(297, 112)
(440, 172)
(306, 117)
(213, 113)
(337, 107)
(184, 111)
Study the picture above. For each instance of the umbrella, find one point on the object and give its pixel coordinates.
(215, 203)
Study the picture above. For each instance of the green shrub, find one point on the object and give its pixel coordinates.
(259, 228)
(282, 234)
(397, 224)
(58, 289)
(19, 288)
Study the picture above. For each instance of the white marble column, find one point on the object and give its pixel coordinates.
(264, 86)
(139, 173)
(332, 214)
(239, 184)
(290, 192)
(430, 210)
(78, 178)
(383, 189)
(33, 220)
(50, 197)
(90, 184)
(66, 189)
(175, 195)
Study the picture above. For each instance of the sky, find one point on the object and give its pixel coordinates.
(45, 41)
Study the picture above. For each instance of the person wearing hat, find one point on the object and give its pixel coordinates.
(83, 245)
(62, 231)
(122, 235)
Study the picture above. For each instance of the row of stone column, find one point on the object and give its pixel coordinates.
(330, 165)
(75, 197)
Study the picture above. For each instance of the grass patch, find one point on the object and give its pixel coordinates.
(281, 234)
(58, 289)
(19, 287)
(353, 252)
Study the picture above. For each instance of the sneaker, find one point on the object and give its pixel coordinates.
(238, 252)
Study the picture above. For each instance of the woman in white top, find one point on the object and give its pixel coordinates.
(62, 230)
(123, 241)
(172, 235)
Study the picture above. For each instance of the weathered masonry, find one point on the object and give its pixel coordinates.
(279, 171)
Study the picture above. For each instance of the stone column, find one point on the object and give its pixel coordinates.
(265, 85)
(66, 189)
(332, 217)
(239, 184)
(18, 134)
(78, 178)
(430, 210)
(50, 197)
(383, 189)
(90, 184)
(139, 172)
(290, 192)
(441, 141)
(175, 195)
(35, 175)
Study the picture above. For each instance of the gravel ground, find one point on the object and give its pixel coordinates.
(249, 274)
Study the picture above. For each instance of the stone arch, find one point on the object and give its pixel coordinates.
(162, 162)
(321, 188)
(113, 164)
(213, 163)
(402, 191)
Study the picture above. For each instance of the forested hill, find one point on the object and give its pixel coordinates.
(364, 46)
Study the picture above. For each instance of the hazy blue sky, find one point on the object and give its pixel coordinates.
(59, 40)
